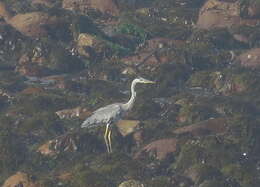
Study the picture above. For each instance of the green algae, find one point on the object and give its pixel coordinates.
(244, 175)
(134, 30)
(189, 154)
(84, 177)
(117, 167)
(204, 172)
(13, 152)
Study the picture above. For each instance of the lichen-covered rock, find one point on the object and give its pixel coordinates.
(21, 179)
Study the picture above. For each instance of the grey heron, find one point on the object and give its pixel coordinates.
(112, 113)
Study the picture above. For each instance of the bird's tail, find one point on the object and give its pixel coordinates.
(87, 124)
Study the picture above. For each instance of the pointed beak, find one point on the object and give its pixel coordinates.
(149, 82)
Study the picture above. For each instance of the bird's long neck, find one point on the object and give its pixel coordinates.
(131, 101)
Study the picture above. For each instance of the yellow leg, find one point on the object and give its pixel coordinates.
(105, 137)
(109, 140)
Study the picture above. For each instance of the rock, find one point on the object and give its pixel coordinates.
(127, 127)
(131, 183)
(160, 148)
(33, 24)
(86, 40)
(63, 143)
(32, 90)
(152, 53)
(4, 12)
(250, 58)
(66, 176)
(211, 126)
(47, 3)
(46, 150)
(31, 70)
(104, 6)
(129, 71)
(140, 58)
(87, 44)
(200, 172)
(160, 42)
(138, 138)
(253, 9)
(20, 179)
(220, 14)
(79, 112)
(90, 46)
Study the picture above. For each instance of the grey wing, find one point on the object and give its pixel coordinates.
(105, 114)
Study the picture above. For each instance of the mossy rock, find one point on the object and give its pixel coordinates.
(215, 153)
(196, 113)
(86, 177)
(117, 166)
(244, 133)
(201, 172)
(190, 154)
(199, 79)
(244, 175)
(13, 152)
(207, 150)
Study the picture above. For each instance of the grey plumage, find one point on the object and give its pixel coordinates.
(110, 114)
(104, 115)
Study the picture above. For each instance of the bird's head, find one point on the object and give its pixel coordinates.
(144, 81)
